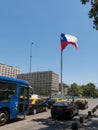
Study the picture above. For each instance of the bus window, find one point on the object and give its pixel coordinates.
(23, 99)
(6, 91)
(23, 94)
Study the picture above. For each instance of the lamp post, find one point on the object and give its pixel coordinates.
(31, 89)
(31, 57)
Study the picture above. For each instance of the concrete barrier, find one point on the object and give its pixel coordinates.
(81, 119)
(89, 113)
(75, 126)
(94, 109)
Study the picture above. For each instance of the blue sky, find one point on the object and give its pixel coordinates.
(41, 22)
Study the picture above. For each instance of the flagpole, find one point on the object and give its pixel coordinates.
(31, 56)
(61, 74)
(65, 40)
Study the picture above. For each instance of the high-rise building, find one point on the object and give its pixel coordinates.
(10, 71)
(43, 83)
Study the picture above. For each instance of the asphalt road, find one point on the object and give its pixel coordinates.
(43, 121)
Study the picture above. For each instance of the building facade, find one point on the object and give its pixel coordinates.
(10, 71)
(64, 87)
(43, 83)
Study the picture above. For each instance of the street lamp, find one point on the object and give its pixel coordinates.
(31, 56)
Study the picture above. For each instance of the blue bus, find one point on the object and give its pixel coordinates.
(14, 98)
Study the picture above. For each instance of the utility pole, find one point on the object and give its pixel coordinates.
(31, 57)
(30, 67)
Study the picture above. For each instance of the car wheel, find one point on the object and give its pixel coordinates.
(53, 116)
(77, 112)
(4, 116)
(71, 116)
(34, 111)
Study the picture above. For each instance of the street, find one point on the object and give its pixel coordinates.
(43, 121)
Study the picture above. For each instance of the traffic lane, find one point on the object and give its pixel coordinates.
(91, 104)
(50, 124)
(55, 124)
(40, 121)
(43, 121)
(92, 122)
(47, 123)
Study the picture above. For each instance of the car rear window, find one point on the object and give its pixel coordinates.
(62, 103)
(80, 101)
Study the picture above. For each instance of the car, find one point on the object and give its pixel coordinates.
(33, 100)
(62, 100)
(64, 109)
(37, 105)
(82, 103)
(52, 101)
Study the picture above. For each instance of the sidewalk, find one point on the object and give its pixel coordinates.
(91, 123)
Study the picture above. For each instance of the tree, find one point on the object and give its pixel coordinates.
(96, 93)
(93, 12)
(89, 90)
(74, 89)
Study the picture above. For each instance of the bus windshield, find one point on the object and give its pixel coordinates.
(6, 91)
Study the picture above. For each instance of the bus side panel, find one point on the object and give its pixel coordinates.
(13, 107)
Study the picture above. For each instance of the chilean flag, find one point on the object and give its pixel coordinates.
(68, 39)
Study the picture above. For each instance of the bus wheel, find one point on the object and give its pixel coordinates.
(34, 111)
(4, 116)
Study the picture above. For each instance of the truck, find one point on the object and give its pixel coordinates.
(14, 98)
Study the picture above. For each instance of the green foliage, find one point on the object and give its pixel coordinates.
(74, 89)
(93, 12)
(84, 1)
(88, 90)
(96, 93)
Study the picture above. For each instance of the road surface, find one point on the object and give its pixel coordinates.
(43, 121)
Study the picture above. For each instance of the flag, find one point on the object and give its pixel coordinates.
(68, 39)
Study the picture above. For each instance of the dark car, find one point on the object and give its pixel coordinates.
(82, 103)
(52, 101)
(64, 109)
(38, 106)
